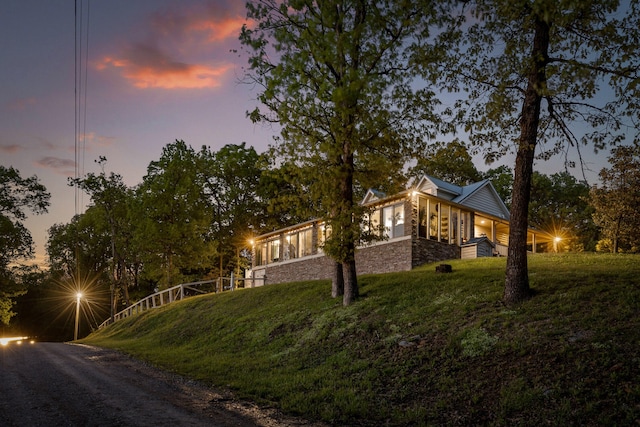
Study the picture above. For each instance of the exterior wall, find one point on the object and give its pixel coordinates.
(469, 252)
(426, 251)
(384, 257)
(308, 268)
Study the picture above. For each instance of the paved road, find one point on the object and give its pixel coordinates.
(56, 384)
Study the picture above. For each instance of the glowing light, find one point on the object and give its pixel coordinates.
(6, 340)
(557, 239)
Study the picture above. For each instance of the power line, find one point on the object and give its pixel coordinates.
(81, 73)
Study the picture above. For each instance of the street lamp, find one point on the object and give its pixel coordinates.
(78, 296)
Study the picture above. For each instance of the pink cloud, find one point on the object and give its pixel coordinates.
(13, 148)
(97, 140)
(176, 40)
(147, 67)
(212, 22)
(21, 104)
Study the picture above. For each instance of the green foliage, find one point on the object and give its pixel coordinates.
(336, 76)
(418, 348)
(476, 342)
(559, 205)
(172, 217)
(450, 162)
(617, 200)
(530, 73)
(233, 180)
(17, 196)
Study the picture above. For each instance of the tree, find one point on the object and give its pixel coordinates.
(335, 75)
(232, 178)
(531, 68)
(17, 195)
(560, 205)
(450, 162)
(617, 200)
(173, 217)
(111, 195)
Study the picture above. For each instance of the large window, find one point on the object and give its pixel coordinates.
(305, 242)
(261, 253)
(274, 250)
(291, 246)
(454, 226)
(444, 223)
(393, 220)
(434, 209)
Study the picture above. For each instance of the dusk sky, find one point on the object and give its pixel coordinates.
(157, 71)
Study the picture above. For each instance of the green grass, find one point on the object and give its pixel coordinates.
(418, 348)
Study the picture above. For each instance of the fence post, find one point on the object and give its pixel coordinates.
(232, 282)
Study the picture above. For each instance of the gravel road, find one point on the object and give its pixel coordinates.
(57, 384)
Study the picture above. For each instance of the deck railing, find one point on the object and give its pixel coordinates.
(180, 292)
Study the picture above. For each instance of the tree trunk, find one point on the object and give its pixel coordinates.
(350, 283)
(347, 222)
(517, 275)
(337, 282)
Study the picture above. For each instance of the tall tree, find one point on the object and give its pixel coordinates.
(449, 161)
(232, 178)
(560, 205)
(531, 69)
(173, 217)
(617, 200)
(18, 195)
(109, 194)
(335, 75)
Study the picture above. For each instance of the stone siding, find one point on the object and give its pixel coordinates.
(426, 251)
(384, 257)
(317, 267)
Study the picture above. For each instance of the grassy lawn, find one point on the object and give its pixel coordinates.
(418, 348)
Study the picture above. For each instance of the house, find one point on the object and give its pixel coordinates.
(432, 221)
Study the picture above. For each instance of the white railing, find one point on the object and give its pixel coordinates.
(179, 292)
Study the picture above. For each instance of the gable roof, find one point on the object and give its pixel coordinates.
(480, 196)
(373, 195)
(437, 187)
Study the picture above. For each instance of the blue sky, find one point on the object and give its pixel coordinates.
(156, 71)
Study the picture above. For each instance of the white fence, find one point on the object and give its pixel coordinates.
(181, 291)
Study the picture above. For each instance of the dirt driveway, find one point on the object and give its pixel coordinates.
(57, 384)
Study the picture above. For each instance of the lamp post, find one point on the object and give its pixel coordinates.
(78, 296)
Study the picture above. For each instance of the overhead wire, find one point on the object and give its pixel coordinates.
(81, 73)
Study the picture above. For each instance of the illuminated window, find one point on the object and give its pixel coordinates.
(290, 246)
(274, 250)
(305, 242)
(261, 253)
(393, 220)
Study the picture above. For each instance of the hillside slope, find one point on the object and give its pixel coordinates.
(417, 348)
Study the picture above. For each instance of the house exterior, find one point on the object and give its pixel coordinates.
(432, 221)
